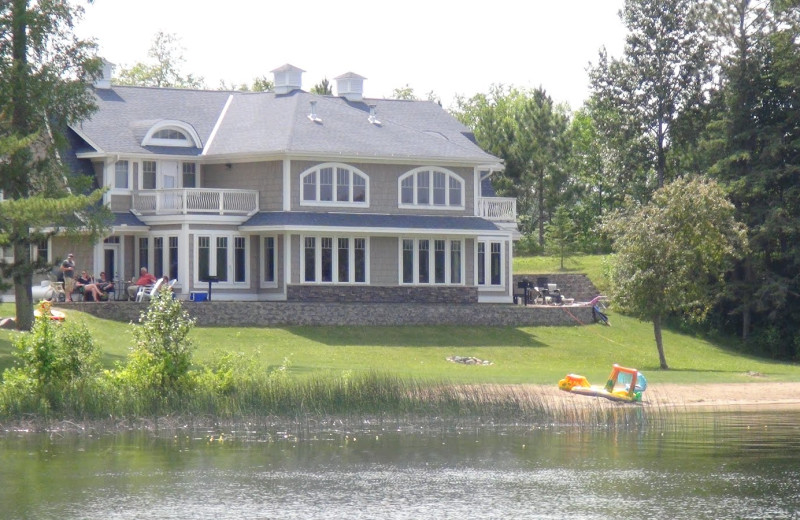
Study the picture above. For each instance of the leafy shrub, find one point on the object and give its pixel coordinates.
(162, 352)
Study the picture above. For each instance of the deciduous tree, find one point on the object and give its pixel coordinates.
(673, 252)
(167, 55)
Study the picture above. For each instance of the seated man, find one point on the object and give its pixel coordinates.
(144, 280)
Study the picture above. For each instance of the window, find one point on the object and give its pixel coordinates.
(148, 175)
(158, 257)
(158, 254)
(170, 133)
(144, 256)
(270, 276)
(334, 184)
(223, 256)
(121, 175)
(189, 175)
(334, 260)
(431, 187)
(490, 263)
(425, 261)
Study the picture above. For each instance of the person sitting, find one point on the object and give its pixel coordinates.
(81, 282)
(144, 280)
(98, 291)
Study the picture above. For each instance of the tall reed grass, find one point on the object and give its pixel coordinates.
(347, 396)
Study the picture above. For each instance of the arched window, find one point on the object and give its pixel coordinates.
(431, 187)
(172, 133)
(333, 184)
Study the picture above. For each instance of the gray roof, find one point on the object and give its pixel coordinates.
(267, 123)
(127, 219)
(369, 221)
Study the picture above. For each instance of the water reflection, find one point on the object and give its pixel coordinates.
(743, 465)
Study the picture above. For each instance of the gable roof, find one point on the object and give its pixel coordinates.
(232, 124)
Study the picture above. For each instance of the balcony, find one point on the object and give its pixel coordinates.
(195, 200)
(498, 209)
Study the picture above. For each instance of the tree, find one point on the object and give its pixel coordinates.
(673, 252)
(405, 93)
(664, 71)
(41, 96)
(259, 84)
(165, 72)
(529, 132)
(560, 234)
(323, 88)
(756, 143)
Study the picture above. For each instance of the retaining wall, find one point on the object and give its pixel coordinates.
(269, 314)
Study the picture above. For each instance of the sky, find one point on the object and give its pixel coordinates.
(442, 46)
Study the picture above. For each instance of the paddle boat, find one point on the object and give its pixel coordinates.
(624, 384)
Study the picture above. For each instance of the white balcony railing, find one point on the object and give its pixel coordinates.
(500, 209)
(195, 200)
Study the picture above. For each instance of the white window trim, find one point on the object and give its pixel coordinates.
(262, 255)
(317, 202)
(192, 139)
(212, 261)
(487, 263)
(431, 259)
(448, 175)
(111, 176)
(335, 263)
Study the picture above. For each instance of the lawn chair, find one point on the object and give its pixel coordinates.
(148, 291)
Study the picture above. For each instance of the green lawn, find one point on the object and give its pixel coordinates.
(520, 355)
(593, 265)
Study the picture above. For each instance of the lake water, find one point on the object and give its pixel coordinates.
(714, 465)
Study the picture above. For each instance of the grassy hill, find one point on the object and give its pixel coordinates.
(519, 355)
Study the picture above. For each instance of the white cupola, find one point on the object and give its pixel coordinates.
(106, 73)
(287, 78)
(350, 86)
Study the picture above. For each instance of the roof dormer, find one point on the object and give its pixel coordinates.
(172, 133)
(287, 78)
(350, 86)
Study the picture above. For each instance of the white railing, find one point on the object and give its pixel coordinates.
(501, 209)
(195, 200)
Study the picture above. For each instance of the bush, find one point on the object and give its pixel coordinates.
(162, 352)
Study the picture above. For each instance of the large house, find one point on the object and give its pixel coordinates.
(288, 195)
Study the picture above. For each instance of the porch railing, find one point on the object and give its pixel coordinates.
(501, 209)
(195, 200)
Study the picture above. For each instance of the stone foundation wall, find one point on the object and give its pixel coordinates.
(571, 285)
(373, 294)
(267, 314)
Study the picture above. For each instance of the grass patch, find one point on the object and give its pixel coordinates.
(537, 355)
(594, 266)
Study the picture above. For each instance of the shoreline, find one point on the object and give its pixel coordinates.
(722, 396)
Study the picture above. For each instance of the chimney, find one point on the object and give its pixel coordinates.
(350, 86)
(287, 79)
(104, 80)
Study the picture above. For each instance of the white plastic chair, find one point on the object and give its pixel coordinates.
(146, 292)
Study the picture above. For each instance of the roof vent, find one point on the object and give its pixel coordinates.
(350, 86)
(373, 116)
(104, 79)
(312, 116)
(287, 79)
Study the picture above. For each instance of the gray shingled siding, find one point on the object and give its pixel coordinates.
(264, 177)
(383, 260)
(383, 189)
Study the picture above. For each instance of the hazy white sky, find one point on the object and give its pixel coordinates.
(443, 46)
